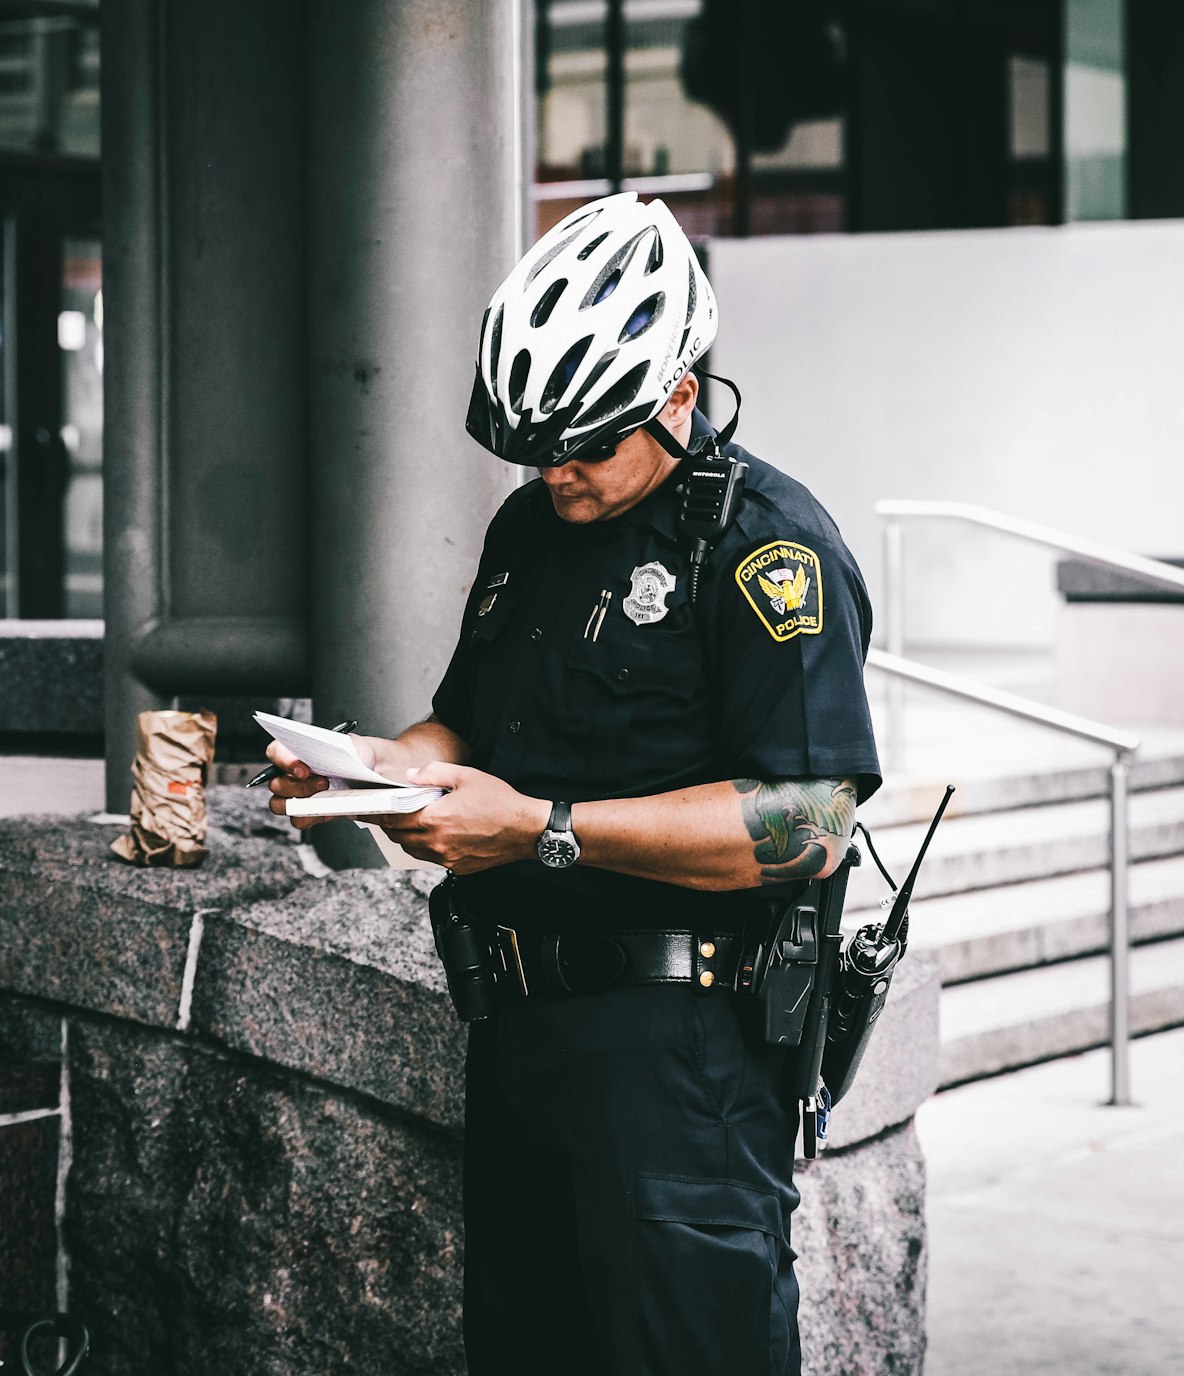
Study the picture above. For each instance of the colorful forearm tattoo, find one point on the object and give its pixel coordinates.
(793, 822)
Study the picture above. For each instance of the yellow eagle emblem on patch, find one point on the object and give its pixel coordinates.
(786, 595)
(782, 582)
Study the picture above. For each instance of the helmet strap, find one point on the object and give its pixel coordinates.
(671, 445)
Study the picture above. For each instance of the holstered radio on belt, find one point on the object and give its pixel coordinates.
(789, 972)
(810, 994)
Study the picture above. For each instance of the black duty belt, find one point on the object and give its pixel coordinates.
(529, 963)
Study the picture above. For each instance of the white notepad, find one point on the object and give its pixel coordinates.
(362, 802)
(335, 756)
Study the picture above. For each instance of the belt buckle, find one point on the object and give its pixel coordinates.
(507, 945)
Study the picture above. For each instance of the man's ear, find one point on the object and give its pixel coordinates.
(681, 402)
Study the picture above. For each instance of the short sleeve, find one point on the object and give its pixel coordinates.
(508, 532)
(787, 637)
(452, 702)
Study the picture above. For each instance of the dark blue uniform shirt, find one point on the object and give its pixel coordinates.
(762, 679)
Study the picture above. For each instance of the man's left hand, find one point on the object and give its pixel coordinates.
(479, 823)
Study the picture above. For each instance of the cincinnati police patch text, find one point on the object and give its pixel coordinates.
(782, 582)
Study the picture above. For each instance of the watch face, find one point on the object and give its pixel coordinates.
(556, 851)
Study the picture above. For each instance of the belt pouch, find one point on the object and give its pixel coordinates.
(465, 953)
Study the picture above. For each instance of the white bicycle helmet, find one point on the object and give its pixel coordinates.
(585, 339)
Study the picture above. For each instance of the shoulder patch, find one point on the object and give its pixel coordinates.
(782, 582)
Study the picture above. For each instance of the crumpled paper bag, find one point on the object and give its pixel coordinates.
(174, 751)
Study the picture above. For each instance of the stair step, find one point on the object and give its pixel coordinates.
(905, 800)
(981, 851)
(1034, 1015)
(991, 931)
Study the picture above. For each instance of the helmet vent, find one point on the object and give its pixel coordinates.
(656, 255)
(643, 317)
(495, 346)
(565, 370)
(612, 272)
(590, 248)
(692, 292)
(553, 252)
(618, 396)
(546, 304)
(518, 375)
(606, 287)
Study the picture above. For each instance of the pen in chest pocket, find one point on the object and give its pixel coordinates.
(608, 597)
(596, 615)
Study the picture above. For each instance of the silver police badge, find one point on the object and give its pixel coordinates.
(646, 601)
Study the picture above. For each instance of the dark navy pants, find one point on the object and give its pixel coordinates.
(628, 1189)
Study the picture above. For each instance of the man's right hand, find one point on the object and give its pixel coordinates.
(426, 740)
(295, 780)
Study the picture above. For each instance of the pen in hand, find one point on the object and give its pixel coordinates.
(273, 771)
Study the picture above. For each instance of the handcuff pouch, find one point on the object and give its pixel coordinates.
(465, 952)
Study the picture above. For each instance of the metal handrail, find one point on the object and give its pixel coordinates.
(1105, 556)
(1121, 742)
(1124, 745)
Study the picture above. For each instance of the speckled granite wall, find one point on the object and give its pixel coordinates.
(30, 1075)
(254, 1221)
(265, 1101)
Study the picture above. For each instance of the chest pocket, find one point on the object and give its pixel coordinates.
(635, 704)
(487, 628)
(489, 654)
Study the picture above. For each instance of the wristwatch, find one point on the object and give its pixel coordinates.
(557, 847)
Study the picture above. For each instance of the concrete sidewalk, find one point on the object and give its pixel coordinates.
(1056, 1223)
(31, 784)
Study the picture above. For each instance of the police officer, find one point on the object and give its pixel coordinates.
(634, 775)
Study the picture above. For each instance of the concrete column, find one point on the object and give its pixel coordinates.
(413, 187)
(132, 397)
(205, 507)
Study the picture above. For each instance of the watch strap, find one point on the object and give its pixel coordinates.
(560, 819)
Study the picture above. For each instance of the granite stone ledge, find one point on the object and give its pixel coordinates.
(901, 1068)
(340, 981)
(79, 927)
(336, 977)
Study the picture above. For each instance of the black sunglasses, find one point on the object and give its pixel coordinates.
(595, 453)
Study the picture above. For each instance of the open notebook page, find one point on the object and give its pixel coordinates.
(325, 752)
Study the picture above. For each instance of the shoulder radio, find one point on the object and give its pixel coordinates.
(711, 492)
